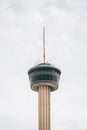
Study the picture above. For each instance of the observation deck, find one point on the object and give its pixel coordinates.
(44, 74)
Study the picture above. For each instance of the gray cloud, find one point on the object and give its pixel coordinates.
(21, 25)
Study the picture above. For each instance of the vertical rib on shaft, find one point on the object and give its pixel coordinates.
(44, 107)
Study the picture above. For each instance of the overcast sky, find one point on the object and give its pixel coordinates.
(21, 23)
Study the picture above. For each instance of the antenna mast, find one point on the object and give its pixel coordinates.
(43, 44)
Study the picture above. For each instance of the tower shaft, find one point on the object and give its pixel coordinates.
(44, 107)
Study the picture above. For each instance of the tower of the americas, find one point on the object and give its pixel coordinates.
(44, 78)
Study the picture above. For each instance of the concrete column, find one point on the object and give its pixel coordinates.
(44, 107)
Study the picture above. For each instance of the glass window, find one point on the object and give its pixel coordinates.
(44, 77)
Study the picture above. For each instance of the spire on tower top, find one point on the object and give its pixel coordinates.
(43, 44)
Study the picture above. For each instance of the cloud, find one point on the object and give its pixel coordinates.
(21, 25)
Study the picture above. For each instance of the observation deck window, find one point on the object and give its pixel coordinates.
(44, 77)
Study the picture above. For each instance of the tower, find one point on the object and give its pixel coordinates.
(44, 78)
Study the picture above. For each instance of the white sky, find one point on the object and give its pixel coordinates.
(21, 23)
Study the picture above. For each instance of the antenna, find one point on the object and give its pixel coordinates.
(43, 44)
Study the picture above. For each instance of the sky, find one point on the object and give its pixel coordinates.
(21, 24)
